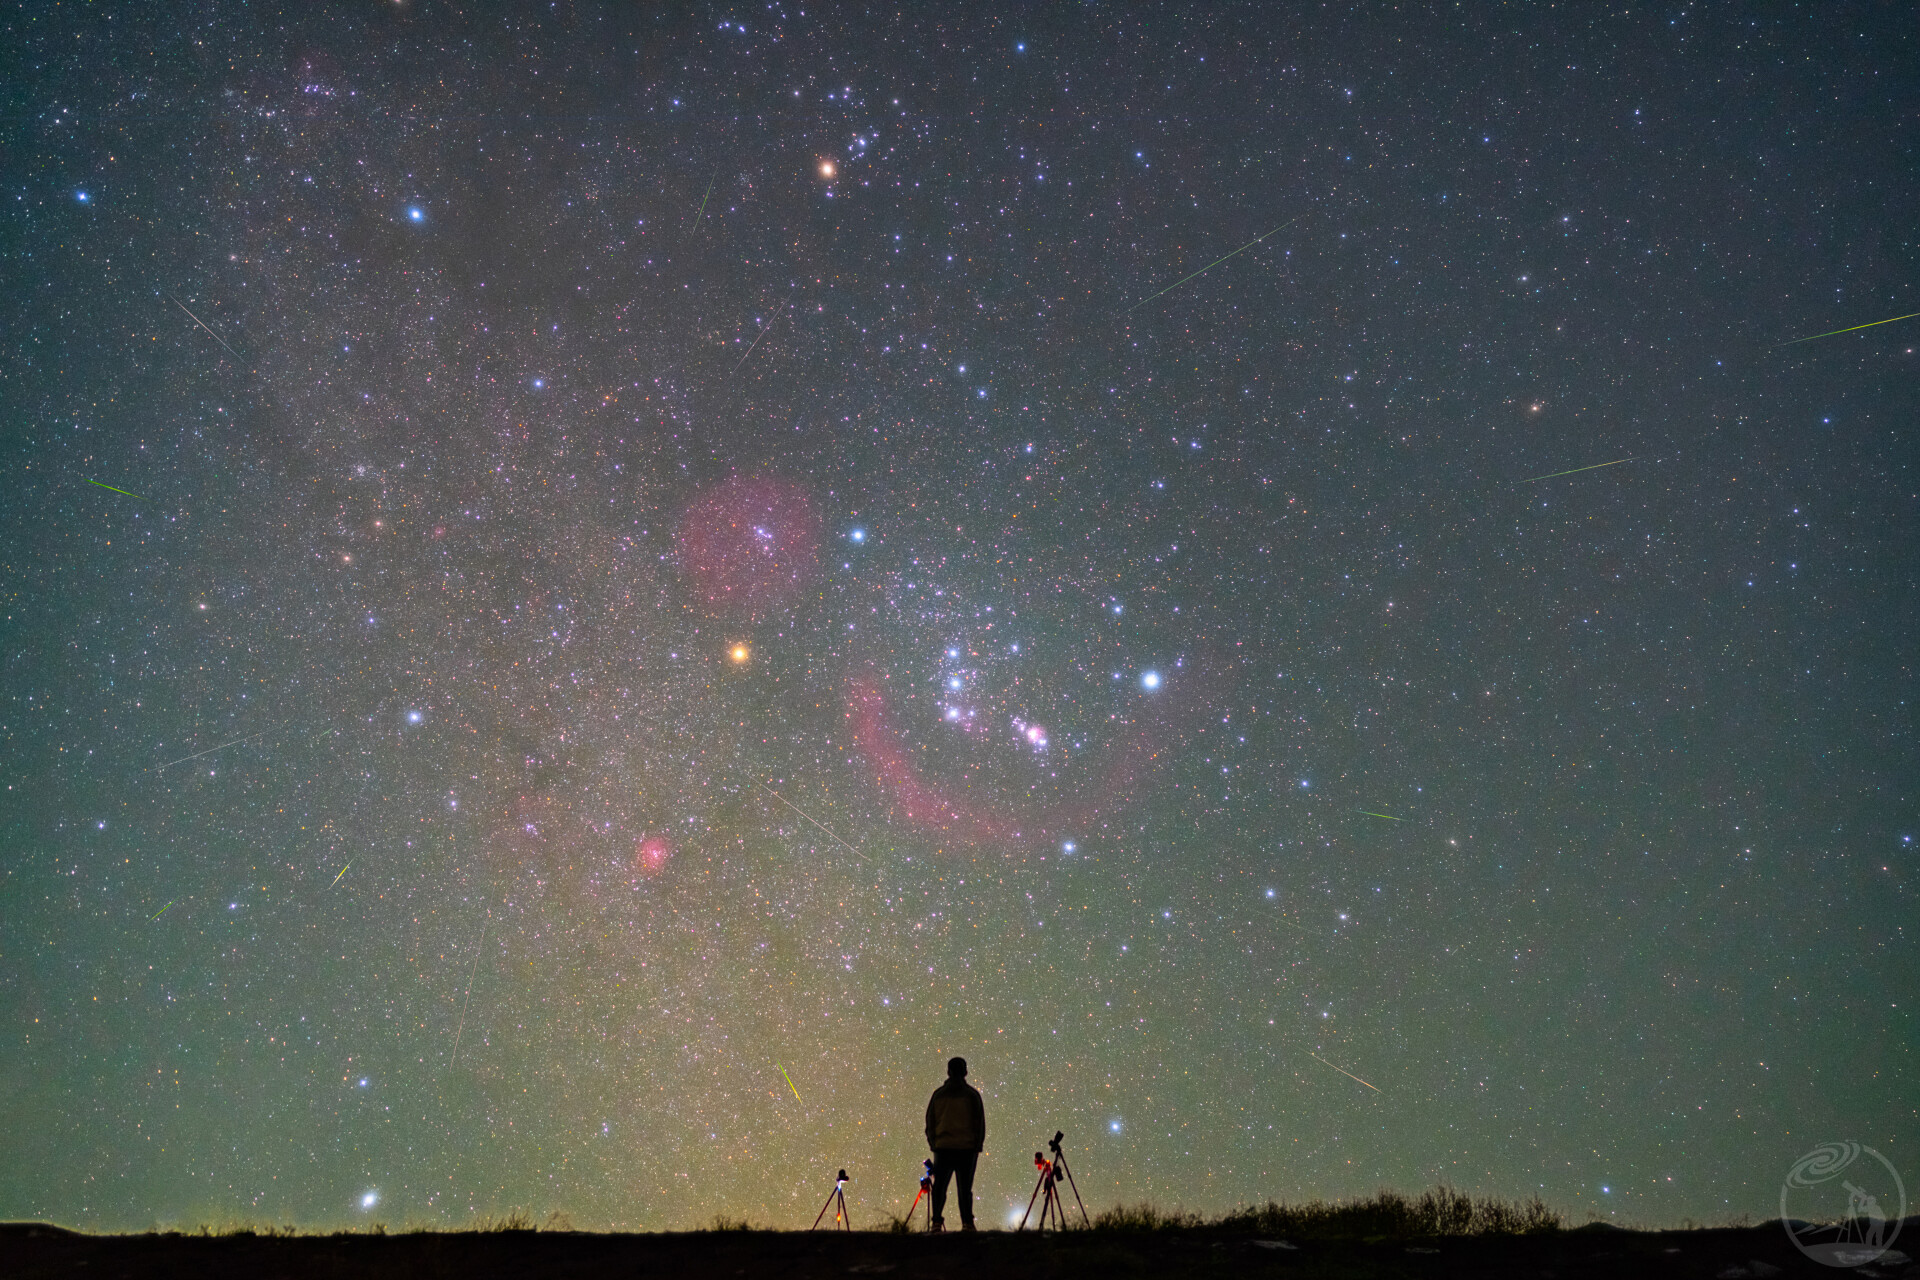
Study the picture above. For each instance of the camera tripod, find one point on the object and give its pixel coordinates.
(926, 1193)
(836, 1196)
(1051, 1172)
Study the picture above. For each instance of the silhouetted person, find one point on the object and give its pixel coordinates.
(957, 1132)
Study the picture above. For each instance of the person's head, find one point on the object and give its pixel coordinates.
(956, 1068)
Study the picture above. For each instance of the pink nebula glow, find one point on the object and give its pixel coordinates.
(651, 855)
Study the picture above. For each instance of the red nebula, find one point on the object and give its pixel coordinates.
(650, 855)
(749, 545)
(929, 805)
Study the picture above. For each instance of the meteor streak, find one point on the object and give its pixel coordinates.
(810, 818)
(1342, 1070)
(90, 480)
(1211, 265)
(470, 977)
(703, 202)
(1869, 325)
(789, 1079)
(210, 750)
(1389, 817)
(1572, 471)
(210, 333)
(343, 871)
(756, 342)
(162, 911)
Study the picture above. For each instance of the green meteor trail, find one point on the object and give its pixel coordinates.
(1389, 817)
(1575, 470)
(789, 1079)
(1211, 265)
(1869, 325)
(90, 480)
(343, 871)
(703, 203)
(162, 911)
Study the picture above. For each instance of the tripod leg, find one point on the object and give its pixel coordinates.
(845, 1223)
(1030, 1199)
(1068, 1169)
(823, 1210)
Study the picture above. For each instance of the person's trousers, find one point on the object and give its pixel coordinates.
(958, 1165)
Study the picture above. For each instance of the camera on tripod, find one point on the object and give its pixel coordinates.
(837, 1201)
(926, 1193)
(1046, 1189)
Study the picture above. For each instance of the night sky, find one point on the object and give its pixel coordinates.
(668, 568)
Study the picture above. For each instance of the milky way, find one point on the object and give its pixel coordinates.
(664, 548)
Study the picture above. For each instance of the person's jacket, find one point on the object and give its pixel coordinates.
(956, 1117)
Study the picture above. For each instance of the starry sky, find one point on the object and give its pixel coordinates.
(592, 590)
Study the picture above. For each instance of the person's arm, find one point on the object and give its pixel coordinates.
(930, 1102)
(980, 1118)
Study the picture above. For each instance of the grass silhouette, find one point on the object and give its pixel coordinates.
(1386, 1216)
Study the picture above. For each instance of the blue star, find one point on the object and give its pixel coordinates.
(416, 214)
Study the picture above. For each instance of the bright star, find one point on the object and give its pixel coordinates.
(416, 215)
(739, 653)
(1068, 847)
(82, 197)
(414, 717)
(1151, 680)
(370, 1199)
(858, 535)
